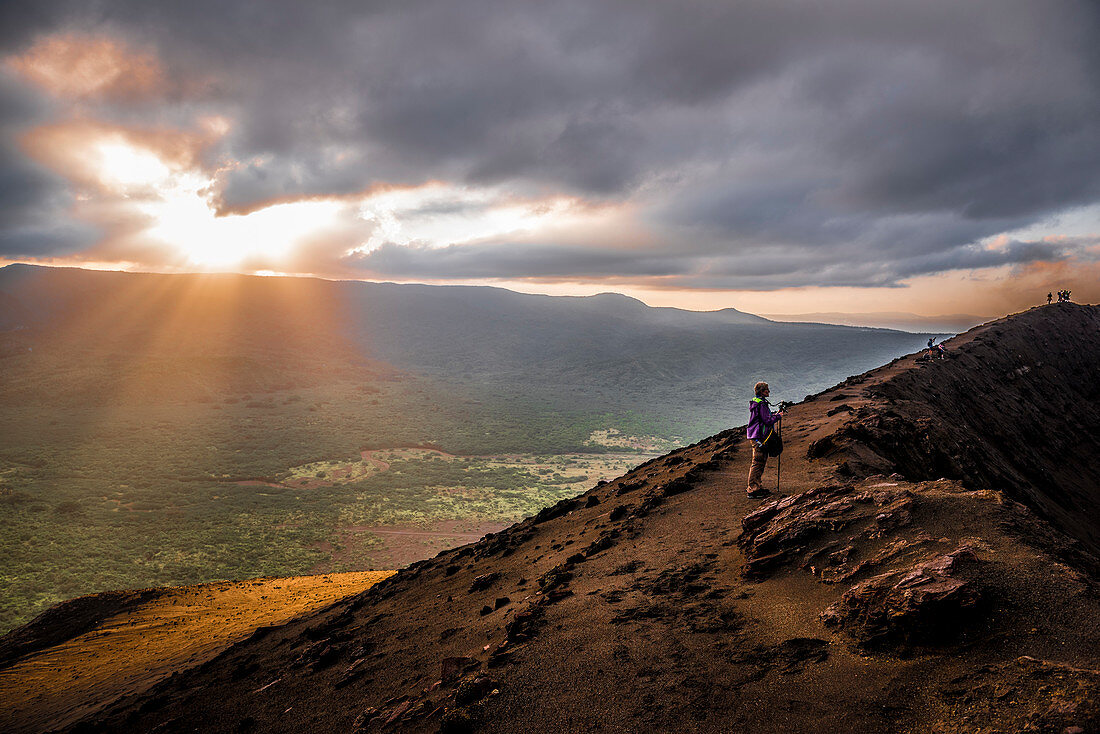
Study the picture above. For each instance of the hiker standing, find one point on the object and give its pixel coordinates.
(1050, 297)
(761, 424)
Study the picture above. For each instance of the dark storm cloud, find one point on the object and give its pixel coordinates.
(765, 269)
(856, 140)
(511, 260)
(33, 201)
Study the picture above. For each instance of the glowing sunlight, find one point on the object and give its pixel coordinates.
(182, 219)
(125, 166)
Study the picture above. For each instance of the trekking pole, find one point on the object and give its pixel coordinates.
(778, 459)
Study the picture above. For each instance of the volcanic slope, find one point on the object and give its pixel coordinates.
(930, 568)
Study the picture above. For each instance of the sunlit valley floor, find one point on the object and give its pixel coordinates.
(142, 497)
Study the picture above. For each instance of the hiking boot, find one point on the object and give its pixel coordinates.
(759, 492)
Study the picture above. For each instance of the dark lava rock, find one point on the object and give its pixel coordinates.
(821, 447)
(605, 540)
(484, 581)
(556, 576)
(474, 689)
(676, 486)
(561, 508)
(629, 487)
(525, 624)
(792, 528)
(458, 721)
(792, 655)
(451, 669)
(926, 603)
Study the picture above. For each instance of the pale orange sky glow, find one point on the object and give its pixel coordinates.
(70, 65)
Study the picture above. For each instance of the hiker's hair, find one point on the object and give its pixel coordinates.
(759, 388)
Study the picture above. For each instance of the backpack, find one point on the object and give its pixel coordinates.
(773, 444)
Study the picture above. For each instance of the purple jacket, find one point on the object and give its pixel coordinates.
(761, 419)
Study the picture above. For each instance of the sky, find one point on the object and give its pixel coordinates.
(775, 156)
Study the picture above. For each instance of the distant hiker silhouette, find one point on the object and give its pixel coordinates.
(1050, 297)
(764, 436)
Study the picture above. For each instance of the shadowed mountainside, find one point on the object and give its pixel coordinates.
(936, 579)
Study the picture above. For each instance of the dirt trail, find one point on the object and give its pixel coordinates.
(378, 463)
(129, 653)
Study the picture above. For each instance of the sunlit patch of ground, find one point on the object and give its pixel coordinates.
(614, 438)
(388, 456)
(576, 467)
(569, 469)
(328, 473)
(131, 651)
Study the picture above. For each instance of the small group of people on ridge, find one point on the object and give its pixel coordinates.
(764, 436)
(936, 350)
(1063, 297)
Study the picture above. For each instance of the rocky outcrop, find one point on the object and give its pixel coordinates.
(902, 589)
(820, 529)
(926, 603)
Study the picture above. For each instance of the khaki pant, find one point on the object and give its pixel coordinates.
(756, 471)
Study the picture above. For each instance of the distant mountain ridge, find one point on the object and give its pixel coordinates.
(606, 350)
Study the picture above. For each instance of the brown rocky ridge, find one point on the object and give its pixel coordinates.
(930, 566)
